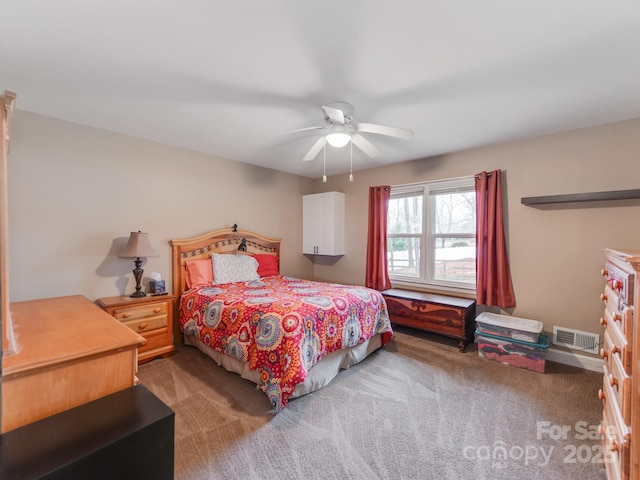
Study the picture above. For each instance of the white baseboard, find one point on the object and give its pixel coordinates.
(575, 359)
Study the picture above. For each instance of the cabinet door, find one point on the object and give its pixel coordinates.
(323, 224)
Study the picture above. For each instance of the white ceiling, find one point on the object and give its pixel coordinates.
(228, 77)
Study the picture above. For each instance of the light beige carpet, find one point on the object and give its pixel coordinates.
(416, 409)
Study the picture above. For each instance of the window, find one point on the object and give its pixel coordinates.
(431, 234)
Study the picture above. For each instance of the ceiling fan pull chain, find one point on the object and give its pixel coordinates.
(351, 173)
(324, 163)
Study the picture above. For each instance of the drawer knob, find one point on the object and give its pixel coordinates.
(601, 395)
(617, 317)
(615, 349)
(615, 446)
(157, 310)
(604, 272)
(601, 430)
(603, 322)
(143, 325)
(613, 381)
(603, 297)
(604, 354)
(126, 315)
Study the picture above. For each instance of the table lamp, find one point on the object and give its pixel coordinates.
(138, 247)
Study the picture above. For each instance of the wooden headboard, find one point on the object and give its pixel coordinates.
(218, 241)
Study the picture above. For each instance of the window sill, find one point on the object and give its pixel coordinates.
(430, 288)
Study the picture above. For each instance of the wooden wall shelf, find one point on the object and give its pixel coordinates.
(582, 197)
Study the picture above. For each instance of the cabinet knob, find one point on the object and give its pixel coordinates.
(617, 317)
(604, 272)
(142, 325)
(603, 297)
(603, 322)
(613, 381)
(601, 395)
(604, 354)
(615, 349)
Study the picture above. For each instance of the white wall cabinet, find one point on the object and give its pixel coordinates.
(323, 224)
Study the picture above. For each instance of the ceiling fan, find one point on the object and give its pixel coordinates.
(340, 128)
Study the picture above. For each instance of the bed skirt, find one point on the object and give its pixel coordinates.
(318, 376)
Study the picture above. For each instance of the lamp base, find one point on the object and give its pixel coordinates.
(137, 274)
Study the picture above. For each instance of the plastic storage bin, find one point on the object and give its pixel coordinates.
(530, 356)
(521, 329)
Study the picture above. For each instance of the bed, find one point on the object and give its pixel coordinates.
(288, 335)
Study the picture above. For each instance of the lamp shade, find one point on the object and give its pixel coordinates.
(138, 246)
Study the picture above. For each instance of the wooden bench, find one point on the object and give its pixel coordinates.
(442, 314)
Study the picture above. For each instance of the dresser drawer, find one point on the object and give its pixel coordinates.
(618, 429)
(620, 382)
(617, 339)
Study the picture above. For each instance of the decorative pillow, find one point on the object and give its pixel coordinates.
(234, 268)
(267, 265)
(198, 272)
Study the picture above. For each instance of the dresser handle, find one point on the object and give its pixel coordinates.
(126, 315)
(143, 325)
(604, 354)
(157, 310)
(603, 297)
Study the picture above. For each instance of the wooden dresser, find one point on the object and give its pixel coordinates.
(620, 393)
(151, 317)
(450, 316)
(70, 352)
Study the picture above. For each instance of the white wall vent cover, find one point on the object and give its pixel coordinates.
(576, 339)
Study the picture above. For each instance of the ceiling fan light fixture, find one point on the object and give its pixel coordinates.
(338, 139)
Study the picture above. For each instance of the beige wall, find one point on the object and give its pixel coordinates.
(76, 192)
(555, 255)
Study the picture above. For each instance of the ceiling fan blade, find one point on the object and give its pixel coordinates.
(385, 130)
(313, 151)
(365, 145)
(335, 114)
(306, 129)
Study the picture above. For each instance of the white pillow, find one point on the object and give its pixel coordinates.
(234, 268)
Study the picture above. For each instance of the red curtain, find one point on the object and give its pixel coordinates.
(377, 274)
(493, 278)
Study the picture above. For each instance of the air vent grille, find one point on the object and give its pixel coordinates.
(576, 339)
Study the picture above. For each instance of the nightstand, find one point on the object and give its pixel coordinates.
(150, 317)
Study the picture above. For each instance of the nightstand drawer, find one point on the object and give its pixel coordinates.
(147, 323)
(141, 311)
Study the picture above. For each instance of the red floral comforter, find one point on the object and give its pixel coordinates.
(282, 326)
